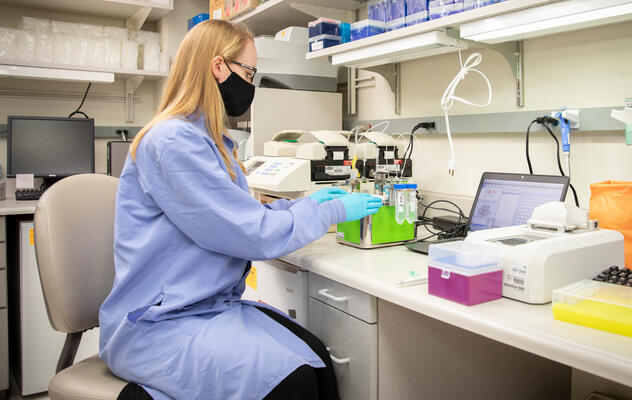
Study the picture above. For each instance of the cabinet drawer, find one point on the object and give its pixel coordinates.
(3, 255)
(3, 229)
(343, 297)
(4, 350)
(3, 288)
(352, 344)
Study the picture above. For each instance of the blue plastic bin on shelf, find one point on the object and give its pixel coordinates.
(324, 26)
(365, 28)
(345, 32)
(323, 41)
(397, 15)
(416, 12)
(377, 10)
(197, 19)
(442, 8)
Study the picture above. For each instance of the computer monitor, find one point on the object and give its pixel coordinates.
(49, 147)
(117, 155)
(509, 199)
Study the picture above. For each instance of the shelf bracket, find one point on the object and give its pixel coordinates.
(393, 75)
(131, 85)
(326, 12)
(514, 54)
(353, 83)
(136, 21)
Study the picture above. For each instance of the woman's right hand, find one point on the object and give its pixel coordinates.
(359, 205)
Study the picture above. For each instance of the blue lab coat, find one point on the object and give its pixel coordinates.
(184, 234)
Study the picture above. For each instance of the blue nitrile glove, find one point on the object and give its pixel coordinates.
(359, 205)
(328, 193)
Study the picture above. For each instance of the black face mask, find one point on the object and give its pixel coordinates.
(237, 94)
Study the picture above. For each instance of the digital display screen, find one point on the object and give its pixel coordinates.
(503, 203)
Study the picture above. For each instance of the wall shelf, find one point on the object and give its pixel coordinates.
(119, 9)
(275, 15)
(118, 73)
(450, 22)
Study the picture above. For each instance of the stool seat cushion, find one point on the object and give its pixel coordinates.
(89, 379)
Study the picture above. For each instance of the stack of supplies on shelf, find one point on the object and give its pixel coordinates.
(389, 15)
(324, 33)
(43, 41)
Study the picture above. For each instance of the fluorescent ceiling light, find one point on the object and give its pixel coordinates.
(393, 51)
(547, 19)
(18, 71)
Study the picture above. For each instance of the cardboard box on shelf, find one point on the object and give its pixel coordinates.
(217, 9)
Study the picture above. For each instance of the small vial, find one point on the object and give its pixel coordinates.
(411, 207)
(400, 202)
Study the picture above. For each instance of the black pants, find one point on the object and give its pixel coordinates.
(305, 383)
(301, 384)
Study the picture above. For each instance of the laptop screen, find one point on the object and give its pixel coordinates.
(509, 199)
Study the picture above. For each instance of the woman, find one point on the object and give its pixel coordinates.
(185, 228)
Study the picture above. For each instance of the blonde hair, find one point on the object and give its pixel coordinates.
(191, 86)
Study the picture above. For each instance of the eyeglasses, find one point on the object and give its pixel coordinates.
(253, 70)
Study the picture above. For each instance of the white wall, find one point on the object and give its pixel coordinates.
(588, 68)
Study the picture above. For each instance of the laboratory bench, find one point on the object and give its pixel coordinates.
(429, 347)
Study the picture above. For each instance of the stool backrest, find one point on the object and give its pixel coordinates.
(74, 235)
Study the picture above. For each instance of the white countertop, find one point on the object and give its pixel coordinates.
(15, 207)
(527, 327)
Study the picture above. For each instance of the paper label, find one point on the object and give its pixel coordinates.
(24, 181)
(387, 168)
(389, 155)
(338, 170)
(339, 155)
(31, 237)
(516, 277)
(251, 279)
(445, 274)
(340, 235)
(318, 45)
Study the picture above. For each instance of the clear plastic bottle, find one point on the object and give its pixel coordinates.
(400, 202)
(411, 204)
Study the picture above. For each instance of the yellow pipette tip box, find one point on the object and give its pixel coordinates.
(598, 305)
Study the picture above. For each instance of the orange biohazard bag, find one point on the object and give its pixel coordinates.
(611, 204)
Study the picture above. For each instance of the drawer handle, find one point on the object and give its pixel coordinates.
(325, 293)
(337, 360)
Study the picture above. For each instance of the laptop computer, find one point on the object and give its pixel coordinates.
(504, 199)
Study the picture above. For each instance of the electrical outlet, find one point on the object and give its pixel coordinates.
(571, 115)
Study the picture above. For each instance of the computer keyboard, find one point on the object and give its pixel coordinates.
(616, 275)
(28, 194)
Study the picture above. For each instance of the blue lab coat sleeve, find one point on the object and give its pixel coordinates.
(182, 169)
(283, 204)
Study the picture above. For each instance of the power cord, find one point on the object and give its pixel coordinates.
(448, 98)
(447, 233)
(78, 110)
(545, 122)
(409, 149)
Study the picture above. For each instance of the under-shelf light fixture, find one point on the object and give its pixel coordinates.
(19, 71)
(394, 51)
(547, 19)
